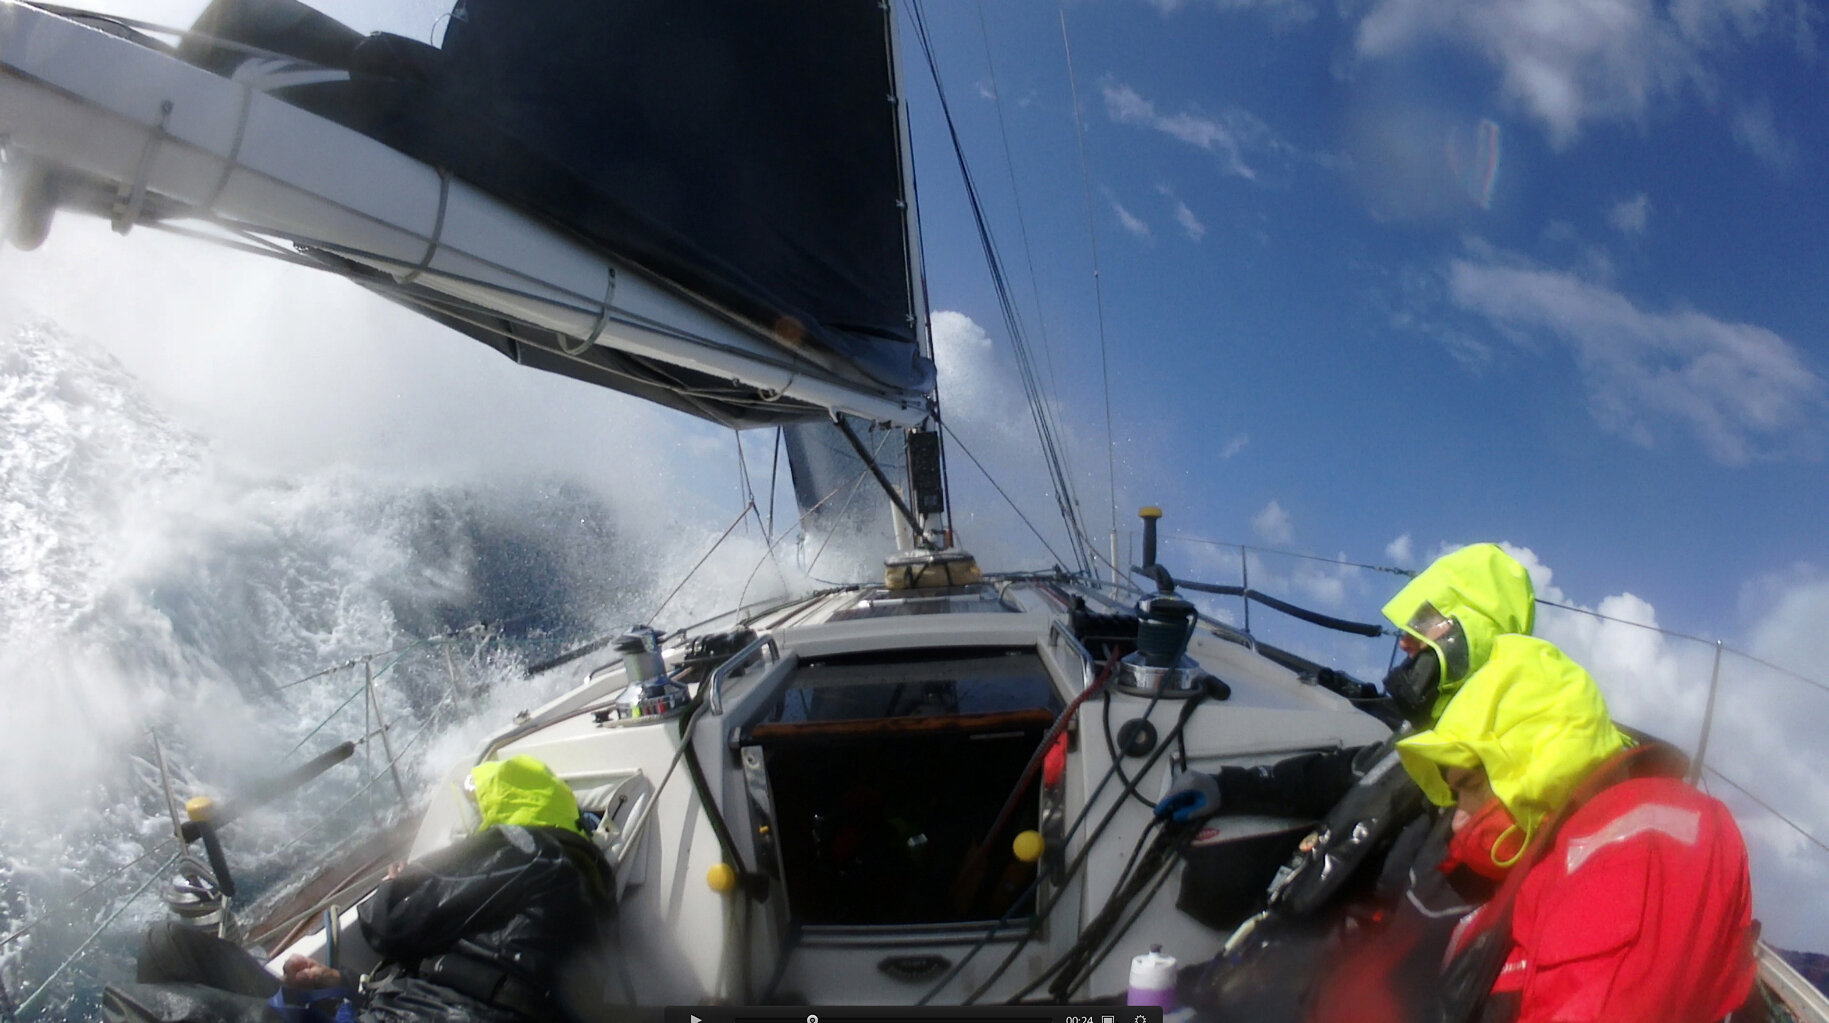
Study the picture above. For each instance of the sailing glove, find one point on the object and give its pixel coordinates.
(1192, 796)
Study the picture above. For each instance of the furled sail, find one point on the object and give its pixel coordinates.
(701, 202)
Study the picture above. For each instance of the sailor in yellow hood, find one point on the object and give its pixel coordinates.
(1531, 719)
(523, 791)
(1450, 615)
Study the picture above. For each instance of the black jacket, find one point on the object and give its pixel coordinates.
(1362, 797)
(489, 927)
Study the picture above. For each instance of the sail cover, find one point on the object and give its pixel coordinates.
(747, 152)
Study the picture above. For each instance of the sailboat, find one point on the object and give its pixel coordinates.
(930, 788)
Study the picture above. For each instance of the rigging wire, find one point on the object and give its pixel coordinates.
(1022, 224)
(1410, 573)
(746, 491)
(67, 902)
(770, 552)
(1003, 494)
(386, 768)
(1769, 808)
(45, 985)
(1184, 538)
(856, 486)
(443, 637)
(1098, 288)
(774, 476)
(1038, 408)
(360, 690)
(1762, 662)
(734, 523)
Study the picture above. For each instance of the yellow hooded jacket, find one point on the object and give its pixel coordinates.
(1482, 590)
(1532, 718)
(522, 790)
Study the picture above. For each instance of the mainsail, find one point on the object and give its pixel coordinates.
(700, 202)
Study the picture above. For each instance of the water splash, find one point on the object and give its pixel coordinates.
(145, 589)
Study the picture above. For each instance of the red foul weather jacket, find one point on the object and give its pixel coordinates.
(1639, 909)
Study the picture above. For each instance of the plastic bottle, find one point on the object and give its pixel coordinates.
(1152, 980)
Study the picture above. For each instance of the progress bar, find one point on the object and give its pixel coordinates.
(913, 1014)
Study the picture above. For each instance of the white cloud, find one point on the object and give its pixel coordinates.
(1765, 735)
(1562, 63)
(1128, 220)
(1756, 132)
(1742, 390)
(1234, 446)
(1281, 13)
(1272, 525)
(1566, 63)
(1630, 216)
(987, 415)
(1542, 576)
(1398, 550)
(1125, 105)
(1190, 225)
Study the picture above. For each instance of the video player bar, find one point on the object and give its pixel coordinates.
(913, 1014)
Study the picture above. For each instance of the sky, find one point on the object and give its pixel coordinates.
(1359, 281)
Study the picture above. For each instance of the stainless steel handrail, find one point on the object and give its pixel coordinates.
(714, 686)
(1056, 632)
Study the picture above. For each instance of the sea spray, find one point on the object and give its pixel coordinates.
(147, 590)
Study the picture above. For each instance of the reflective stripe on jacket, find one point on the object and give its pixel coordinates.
(1640, 910)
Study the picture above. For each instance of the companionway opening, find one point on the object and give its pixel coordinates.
(885, 774)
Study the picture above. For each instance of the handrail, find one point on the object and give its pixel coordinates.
(1797, 993)
(714, 686)
(1056, 629)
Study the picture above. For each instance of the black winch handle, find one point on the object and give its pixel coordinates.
(201, 812)
(267, 791)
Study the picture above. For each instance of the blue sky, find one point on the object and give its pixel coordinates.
(1617, 360)
(1377, 277)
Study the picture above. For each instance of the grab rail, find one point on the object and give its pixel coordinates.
(714, 686)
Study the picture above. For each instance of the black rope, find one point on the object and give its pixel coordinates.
(1187, 712)
(1312, 617)
(1118, 755)
(1081, 960)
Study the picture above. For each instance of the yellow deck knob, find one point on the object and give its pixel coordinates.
(1149, 511)
(200, 808)
(721, 878)
(1028, 846)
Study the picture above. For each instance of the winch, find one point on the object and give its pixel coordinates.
(651, 691)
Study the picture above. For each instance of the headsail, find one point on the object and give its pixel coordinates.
(701, 202)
